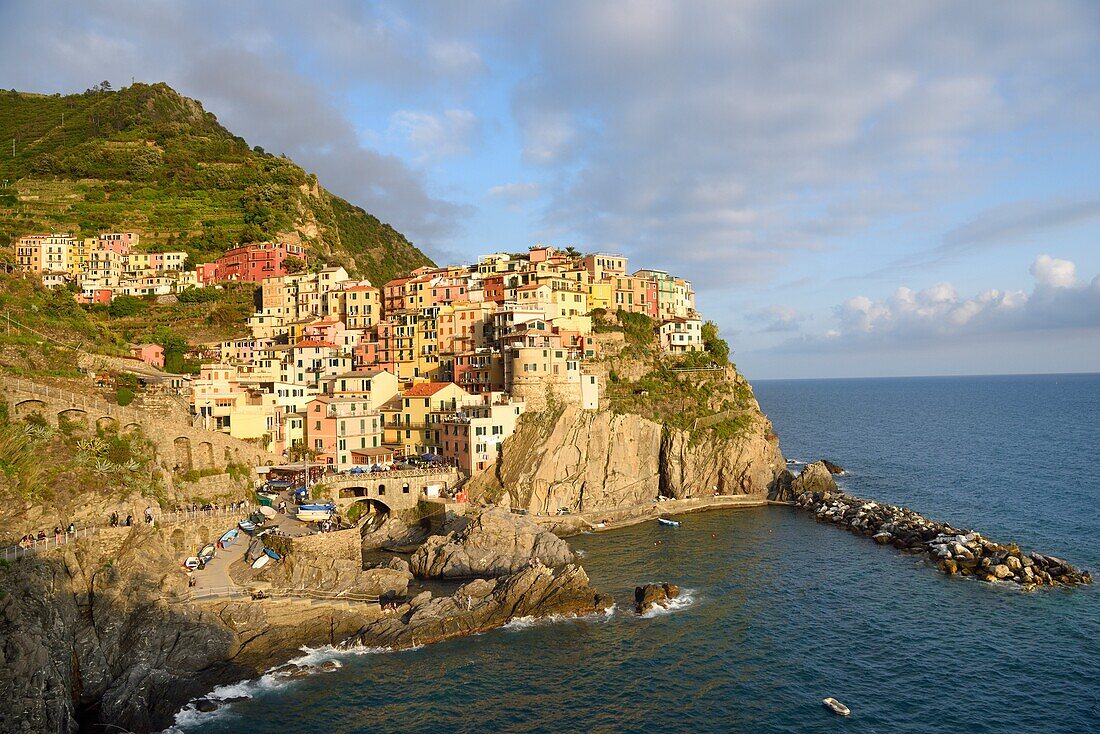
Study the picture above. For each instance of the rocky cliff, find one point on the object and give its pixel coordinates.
(90, 637)
(598, 460)
(101, 634)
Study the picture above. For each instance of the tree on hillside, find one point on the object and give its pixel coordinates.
(294, 264)
(715, 344)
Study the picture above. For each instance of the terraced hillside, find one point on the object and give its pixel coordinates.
(147, 159)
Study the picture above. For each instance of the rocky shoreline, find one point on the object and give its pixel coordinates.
(954, 550)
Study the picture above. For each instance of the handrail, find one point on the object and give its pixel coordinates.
(256, 593)
(16, 551)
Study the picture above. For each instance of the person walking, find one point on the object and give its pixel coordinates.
(129, 520)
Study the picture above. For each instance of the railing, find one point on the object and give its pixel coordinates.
(256, 593)
(17, 551)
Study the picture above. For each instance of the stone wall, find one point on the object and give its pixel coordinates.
(179, 446)
(387, 488)
(345, 544)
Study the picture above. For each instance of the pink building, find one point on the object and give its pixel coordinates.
(150, 354)
(120, 242)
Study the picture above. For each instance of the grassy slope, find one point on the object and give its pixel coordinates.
(147, 159)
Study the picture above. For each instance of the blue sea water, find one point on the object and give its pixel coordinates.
(782, 611)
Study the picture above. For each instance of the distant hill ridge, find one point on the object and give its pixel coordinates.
(147, 159)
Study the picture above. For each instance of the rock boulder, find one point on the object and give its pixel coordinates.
(495, 543)
(650, 595)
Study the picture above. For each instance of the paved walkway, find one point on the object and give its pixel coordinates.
(216, 573)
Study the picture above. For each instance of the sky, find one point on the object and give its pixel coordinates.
(855, 188)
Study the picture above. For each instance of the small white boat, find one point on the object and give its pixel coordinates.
(261, 561)
(836, 706)
(268, 511)
(191, 563)
(207, 553)
(669, 523)
(246, 525)
(313, 515)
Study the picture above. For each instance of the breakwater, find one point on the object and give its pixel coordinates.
(954, 550)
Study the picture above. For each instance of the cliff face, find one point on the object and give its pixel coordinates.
(599, 460)
(88, 638)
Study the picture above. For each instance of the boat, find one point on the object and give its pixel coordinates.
(836, 706)
(314, 514)
(261, 562)
(191, 563)
(669, 523)
(246, 525)
(268, 511)
(206, 553)
(272, 554)
(229, 537)
(317, 506)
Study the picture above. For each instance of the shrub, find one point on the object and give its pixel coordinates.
(124, 396)
(127, 306)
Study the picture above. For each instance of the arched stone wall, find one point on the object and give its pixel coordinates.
(26, 407)
(183, 454)
(204, 455)
(73, 415)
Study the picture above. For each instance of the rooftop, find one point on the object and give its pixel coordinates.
(426, 389)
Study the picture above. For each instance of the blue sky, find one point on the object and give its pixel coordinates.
(856, 188)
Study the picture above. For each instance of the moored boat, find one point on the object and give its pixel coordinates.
(246, 525)
(191, 563)
(272, 554)
(261, 561)
(229, 537)
(835, 706)
(206, 553)
(668, 522)
(308, 514)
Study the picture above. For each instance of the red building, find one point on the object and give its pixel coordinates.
(206, 273)
(252, 263)
(492, 288)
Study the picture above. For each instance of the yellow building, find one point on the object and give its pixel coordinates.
(601, 294)
(411, 424)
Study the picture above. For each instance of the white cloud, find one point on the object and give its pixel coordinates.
(436, 136)
(516, 192)
(1058, 301)
(1054, 273)
(742, 128)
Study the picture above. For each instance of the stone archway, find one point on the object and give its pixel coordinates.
(72, 415)
(129, 428)
(30, 405)
(372, 513)
(204, 459)
(183, 454)
(108, 423)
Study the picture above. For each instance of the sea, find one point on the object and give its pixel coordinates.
(779, 611)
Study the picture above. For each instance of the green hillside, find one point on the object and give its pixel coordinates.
(146, 159)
